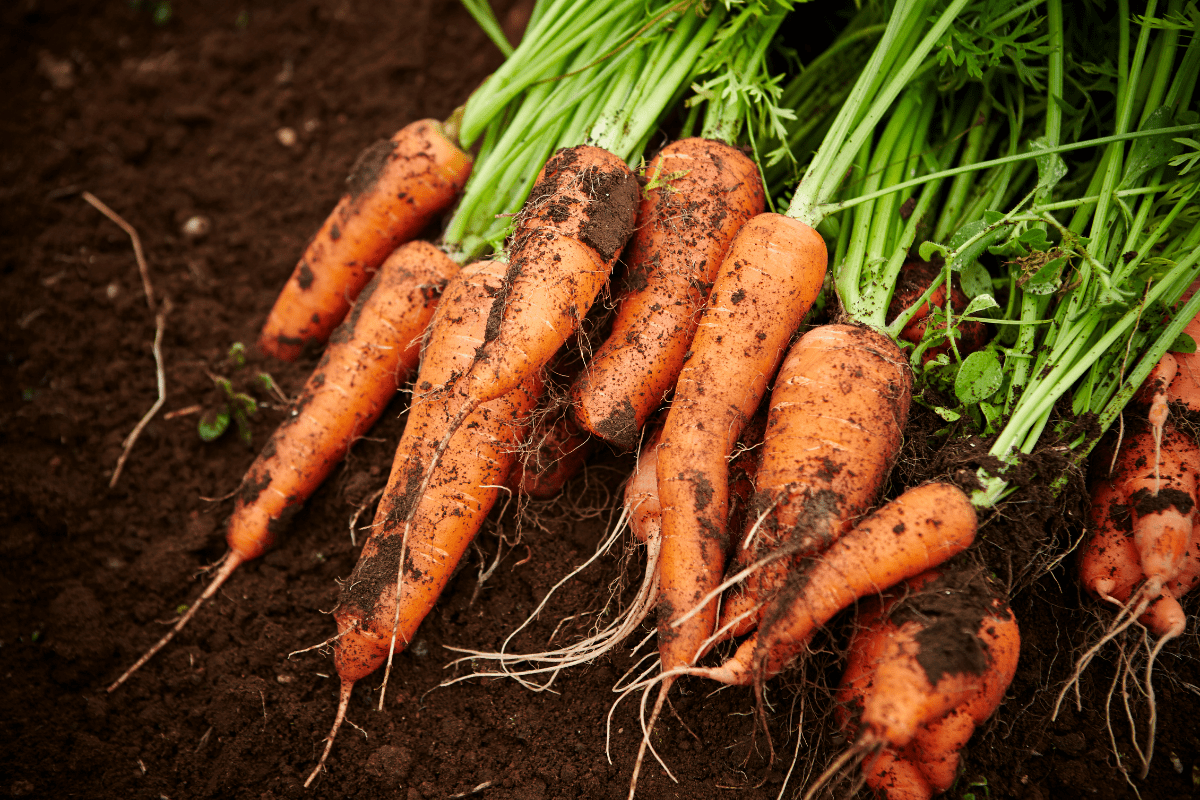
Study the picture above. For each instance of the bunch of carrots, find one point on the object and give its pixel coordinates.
(764, 444)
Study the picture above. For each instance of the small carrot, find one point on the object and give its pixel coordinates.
(699, 193)
(557, 452)
(1143, 550)
(914, 279)
(419, 536)
(921, 674)
(913, 533)
(396, 188)
(837, 416)
(370, 356)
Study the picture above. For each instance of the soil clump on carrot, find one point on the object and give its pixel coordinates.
(164, 122)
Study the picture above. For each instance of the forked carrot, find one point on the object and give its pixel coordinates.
(395, 189)
(699, 193)
(370, 356)
(920, 676)
(1143, 550)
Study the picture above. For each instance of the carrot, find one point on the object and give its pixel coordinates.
(369, 357)
(426, 532)
(1142, 532)
(837, 417)
(1185, 386)
(579, 215)
(768, 280)
(396, 188)
(914, 279)
(577, 219)
(921, 674)
(556, 453)
(699, 193)
(915, 532)
(1159, 482)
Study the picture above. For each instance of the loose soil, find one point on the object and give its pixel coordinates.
(165, 122)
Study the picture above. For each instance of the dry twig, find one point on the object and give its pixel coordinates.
(160, 323)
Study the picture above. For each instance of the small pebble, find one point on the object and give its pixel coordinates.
(286, 136)
(112, 290)
(197, 227)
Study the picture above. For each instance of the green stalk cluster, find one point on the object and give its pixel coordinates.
(602, 73)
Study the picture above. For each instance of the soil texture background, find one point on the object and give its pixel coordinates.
(166, 121)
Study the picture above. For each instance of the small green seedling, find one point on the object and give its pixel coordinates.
(237, 408)
(234, 407)
(977, 784)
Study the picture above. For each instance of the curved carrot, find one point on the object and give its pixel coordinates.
(700, 192)
(768, 280)
(915, 532)
(396, 188)
(369, 357)
(419, 536)
(837, 416)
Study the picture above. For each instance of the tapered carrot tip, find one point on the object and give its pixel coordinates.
(396, 188)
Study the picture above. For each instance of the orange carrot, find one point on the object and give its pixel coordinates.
(767, 281)
(557, 452)
(369, 357)
(914, 279)
(700, 192)
(837, 416)
(923, 673)
(1143, 532)
(419, 536)
(396, 188)
(577, 219)
(1185, 386)
(915, 532)
(578, 216)
(1159, 485)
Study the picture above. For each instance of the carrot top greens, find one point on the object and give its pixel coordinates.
(602, 73)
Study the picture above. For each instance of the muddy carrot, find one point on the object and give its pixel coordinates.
(395, 189)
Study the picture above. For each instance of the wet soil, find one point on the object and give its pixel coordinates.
(164, 122)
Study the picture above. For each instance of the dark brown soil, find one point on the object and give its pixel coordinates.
(164, 122)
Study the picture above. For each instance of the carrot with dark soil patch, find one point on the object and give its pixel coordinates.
(699, 194)
(419, 536)
(369, 357)
(921, 675)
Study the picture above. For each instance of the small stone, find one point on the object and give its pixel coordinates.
(287, 137)
(197, 227)
(112, 290)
